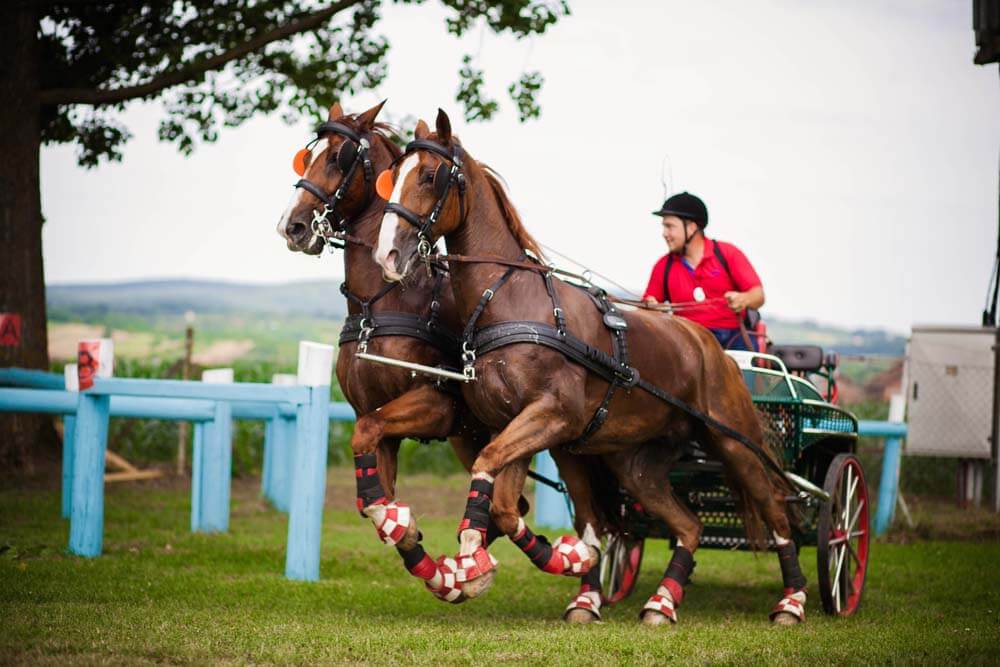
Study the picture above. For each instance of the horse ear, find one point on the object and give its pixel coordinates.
(443, 127)
(336, 112)
(367, 120)
(421, 130)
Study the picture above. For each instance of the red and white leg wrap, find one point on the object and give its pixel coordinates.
(454, 572)
(661, 602)
(793, 603)
(391, 520)
(588, 600)
(575, 555)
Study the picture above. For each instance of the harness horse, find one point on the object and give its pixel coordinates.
(551, 366)
(336, 204)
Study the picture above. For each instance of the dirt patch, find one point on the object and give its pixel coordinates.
(63, 338)
(222, 352)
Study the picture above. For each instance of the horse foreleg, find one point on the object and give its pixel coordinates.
(540, 425)
(645, 474)
(422, 412)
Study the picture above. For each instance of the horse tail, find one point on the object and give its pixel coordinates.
(757, 533)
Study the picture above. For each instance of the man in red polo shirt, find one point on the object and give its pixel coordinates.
(702, 270)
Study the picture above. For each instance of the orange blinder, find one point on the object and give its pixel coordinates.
(301, 161)
(384, 184)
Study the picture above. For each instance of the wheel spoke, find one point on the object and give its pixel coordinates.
(857, 533)
(857, 515)
(836, 578)
(847, 500)
(854, 554)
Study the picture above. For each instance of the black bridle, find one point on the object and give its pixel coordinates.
(353, 152)
(449, 173)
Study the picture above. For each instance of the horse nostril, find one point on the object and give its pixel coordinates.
(391, 258)
(296, 229)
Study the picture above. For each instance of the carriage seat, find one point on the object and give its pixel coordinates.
(804, 358)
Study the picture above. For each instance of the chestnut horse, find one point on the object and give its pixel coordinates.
(336, 195)
(551, 372)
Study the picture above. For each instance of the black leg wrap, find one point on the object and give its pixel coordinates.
(369, 487)
(536, 547)
(592, 580)
(492, 532)
(412, 557)
(791, 573)
(681, 566)
(477, 507)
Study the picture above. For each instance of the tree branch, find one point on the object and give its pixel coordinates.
(98, 96)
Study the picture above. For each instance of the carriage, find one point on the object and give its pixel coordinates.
(794, 390)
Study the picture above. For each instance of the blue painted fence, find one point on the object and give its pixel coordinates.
(298, 419)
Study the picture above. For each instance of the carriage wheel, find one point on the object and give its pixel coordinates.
(843, 536)
(620, 562)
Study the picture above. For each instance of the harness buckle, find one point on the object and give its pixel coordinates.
(488, 294)
(424, 248)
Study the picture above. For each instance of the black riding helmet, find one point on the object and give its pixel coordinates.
(685, 206)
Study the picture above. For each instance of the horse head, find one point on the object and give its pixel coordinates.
(426, 192)
(337, 180)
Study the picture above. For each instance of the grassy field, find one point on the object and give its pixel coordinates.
(161, 594)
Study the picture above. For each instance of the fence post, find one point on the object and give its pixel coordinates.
(86, 524)
(550, 505)
(278, 450)
(69, 431)
(889, 482)
(305, 517)
(198, 444)
(211, 476)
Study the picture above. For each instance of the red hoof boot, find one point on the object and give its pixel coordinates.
(790, 610)
(462, 577)
(585, 608)
(659, 609)
(393, 522)
(570, 557)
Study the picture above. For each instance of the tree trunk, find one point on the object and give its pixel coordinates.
(22, 281)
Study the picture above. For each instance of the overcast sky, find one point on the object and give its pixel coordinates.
(849, 148)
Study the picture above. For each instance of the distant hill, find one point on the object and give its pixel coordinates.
(274, 316)
(172, 297)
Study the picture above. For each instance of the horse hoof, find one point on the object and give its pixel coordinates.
(580, 617)
(650, 617)
(474, 588)
(784, 618)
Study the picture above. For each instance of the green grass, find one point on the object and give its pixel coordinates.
(161, 594)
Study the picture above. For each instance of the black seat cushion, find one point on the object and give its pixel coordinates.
(799, 357)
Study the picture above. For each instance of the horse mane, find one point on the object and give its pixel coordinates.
(389, 137)
(511, 217)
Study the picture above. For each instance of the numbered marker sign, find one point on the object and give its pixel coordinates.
(94, 358)
(10, 329)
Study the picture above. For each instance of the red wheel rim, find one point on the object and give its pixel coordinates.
(847, 540)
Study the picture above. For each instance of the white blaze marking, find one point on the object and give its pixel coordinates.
(390, 221)
(297, 195)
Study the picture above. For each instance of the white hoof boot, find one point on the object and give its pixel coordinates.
(659, 609)
(395, 524)
(585, 608)
(790, 610)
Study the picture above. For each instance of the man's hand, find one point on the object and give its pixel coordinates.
(737, 301)
(651, 301)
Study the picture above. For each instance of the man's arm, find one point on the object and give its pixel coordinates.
(739, 301)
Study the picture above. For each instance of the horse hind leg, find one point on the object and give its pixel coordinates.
(645, 474)
(764, 501)
(585, 607)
